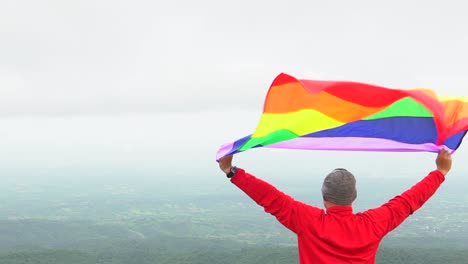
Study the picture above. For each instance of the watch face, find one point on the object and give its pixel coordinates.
(231, 172)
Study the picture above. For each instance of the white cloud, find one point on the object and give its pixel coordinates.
(114, 57)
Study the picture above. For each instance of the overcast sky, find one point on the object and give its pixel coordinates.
(96, 81)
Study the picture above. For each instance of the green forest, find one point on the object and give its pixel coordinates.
(68, 221)
(184, 251)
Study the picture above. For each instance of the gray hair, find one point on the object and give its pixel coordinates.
(339, 187)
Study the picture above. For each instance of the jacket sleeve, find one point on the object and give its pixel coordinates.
(282, 206)
(391, 214)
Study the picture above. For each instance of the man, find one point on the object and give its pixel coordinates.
(337, 235)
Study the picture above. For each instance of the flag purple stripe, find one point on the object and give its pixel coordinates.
(355, 144)
(224, 150)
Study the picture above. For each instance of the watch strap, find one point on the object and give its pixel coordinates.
(231, 172)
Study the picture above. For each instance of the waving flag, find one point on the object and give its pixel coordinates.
(341, 115)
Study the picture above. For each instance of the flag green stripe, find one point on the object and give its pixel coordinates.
(404, 107)
(274, 137)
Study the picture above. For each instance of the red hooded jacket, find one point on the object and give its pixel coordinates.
(337, 235)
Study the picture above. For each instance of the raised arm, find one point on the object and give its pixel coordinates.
(282, 206)
(391, 214)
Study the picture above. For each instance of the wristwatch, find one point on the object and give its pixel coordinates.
(231, 172)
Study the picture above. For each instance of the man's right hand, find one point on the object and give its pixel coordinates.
(444, 161)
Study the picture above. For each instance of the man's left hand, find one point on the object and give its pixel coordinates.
(225, 163)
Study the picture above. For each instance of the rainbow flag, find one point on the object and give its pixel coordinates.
(343, 115)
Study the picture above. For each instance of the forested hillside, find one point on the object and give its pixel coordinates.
(124, 223)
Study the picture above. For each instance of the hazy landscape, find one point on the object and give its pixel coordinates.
(94, 216)
(111, 113)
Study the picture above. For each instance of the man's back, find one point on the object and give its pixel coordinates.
(337, 235)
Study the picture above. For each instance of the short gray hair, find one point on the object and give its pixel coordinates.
(339, 187)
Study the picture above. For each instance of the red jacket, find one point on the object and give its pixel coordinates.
(337, 235)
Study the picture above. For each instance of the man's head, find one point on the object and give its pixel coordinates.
(339, 187)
